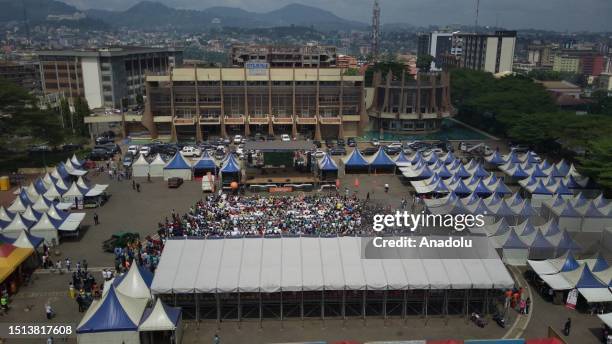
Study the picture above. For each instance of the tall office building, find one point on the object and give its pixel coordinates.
(308, 56)
(493, 53)
(106, 77)
(439, 45)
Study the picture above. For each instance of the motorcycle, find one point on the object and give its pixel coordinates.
(499, 319)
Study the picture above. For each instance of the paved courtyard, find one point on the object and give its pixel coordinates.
(129, 210)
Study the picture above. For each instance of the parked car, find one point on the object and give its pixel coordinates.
(103, 139)
(113, 147)
(144, 151)
(369, 151)
(340, 142)
(337, 151)
(133, 150)
(329, 143)
(285, 138)
(71, 147)
(40, 148)
(392, 150)
(99, 154)
(317, 143)
(119, 239)
(319, 154)
(128, 159)
(190, 151)
(237, 139)
(375, 142)
(351, 142)
(175, 182)
(395, 145)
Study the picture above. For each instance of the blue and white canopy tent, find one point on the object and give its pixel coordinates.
(136, 283)
(178, 167)
(230, 171)
(356, 163)
(328, 169)
(402, 160)
(24, 240)
(495, 159)
(113, 319)
(204, 165)
(381, 162)
(160, 319)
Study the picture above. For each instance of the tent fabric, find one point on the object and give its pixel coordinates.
(178, 162)
(11, 257)
(381, 160)
(295, 264)
(205, 163)
(135, 283)
(355, 160)
(25, 240)
(140, 167)
(160, 318)
(156, 167)
(114, 312)
(230, 165)
(327, 164)
(606, 318)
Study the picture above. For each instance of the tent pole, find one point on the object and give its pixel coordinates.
(467, 303)
(484, 303)
(174, 296)
(426, 303)
(384, 308)
(260, 311)
(323, 306)
(239, 312)
(404, 305)
(197, 304)
(218, 310)
(302, 307)
(281, 308)
(344, 307)
(363, 306)
(445, 311)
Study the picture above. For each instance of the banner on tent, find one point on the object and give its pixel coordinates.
(572, 299)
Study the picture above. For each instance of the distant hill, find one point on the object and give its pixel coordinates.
(149, 14)
(36, 10)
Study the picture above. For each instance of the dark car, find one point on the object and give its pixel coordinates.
(337, 151)
(351, 142)
(369, 151)
(392, 150)
(103, 140)
(99, 154)
(340, 142)
(329, 143)
(113, 147)
(317, 143)
(71, 147)
(175, 182)
(128, 159)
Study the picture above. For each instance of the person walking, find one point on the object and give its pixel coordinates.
(48, 311)
(71, 290)
(148, 177)
(138, 187)
(567, 327)
(68, 264)
(522, 306)
(368, 196)
(96, 219)
(216, 339)
(85, 265)
(527, 305)
(133, 184)
(386, 188)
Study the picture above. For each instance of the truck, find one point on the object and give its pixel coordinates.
(208, 183)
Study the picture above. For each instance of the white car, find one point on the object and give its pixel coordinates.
(375, 143)
(319, 154)
(145, 151)
(132, 150)
(189, 151)
(285, 138)
(237, 139)
(395, 145)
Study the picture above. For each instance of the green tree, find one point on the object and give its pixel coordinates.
(81, 110)
(598, 161)
(424, 62)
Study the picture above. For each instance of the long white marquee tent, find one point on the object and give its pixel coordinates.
(310, 264)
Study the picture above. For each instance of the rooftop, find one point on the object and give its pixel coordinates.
(106, 51)
(558, 85)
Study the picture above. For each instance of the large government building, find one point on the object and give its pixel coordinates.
(197, 103)
(404, 104)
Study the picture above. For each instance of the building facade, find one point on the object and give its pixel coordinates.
(346, 61)
(199, 103)
(309, 56)
(492, 53)
(410, 105)
(566, 63)
(105, 77)
(25, 75)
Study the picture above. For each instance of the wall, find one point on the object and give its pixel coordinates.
(91, 81)
(490, 54)
(507, 54)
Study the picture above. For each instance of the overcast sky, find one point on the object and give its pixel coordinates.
(559, 15)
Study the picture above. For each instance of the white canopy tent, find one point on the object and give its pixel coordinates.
(140, 167)
(156, 167)
(46, 229)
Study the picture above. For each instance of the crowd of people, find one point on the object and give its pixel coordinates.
(224, 215)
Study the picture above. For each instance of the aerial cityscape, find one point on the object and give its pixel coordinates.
(306, 172)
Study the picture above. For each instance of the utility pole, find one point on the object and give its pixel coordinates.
(476, 20)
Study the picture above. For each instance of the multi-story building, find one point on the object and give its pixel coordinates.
(540, 55)
(346, 61)
(592, 64)
(308, 56)
(493, 53)
(403, 104)
(566, 63)
(198, 103)
(604, 82)
(25, 75)
(105, 77)
(439, 45)
(423, 44)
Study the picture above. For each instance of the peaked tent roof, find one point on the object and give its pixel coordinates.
(540, 189)
(570, 263)
(205, 162)
(479, 172)
(160, 318)
(178, 162)
(495, 158)
(567, 243)
(328, 164)
(552, 228)
(114, 312)
(47, 222)
(141, 161)
(381, 159)
(230, 165)
(355, 159)
(500, 188)
(563, 167)
(401, 158)
(588, 280)
(18, 223)
(158, 161)
(600, 264)
(135, 283)
(461, 188)
(518, 172)
(513, 241)
(515, 199)
(25, 240)
(540, 241)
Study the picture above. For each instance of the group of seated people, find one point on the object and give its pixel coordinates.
(223, 215)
